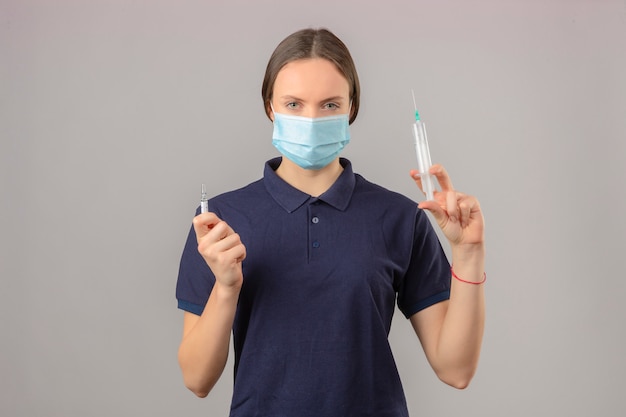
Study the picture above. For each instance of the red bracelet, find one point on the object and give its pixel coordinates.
(469, 282)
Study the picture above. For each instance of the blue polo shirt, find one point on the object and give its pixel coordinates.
(321, 279)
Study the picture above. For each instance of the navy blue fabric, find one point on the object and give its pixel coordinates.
(321, 279)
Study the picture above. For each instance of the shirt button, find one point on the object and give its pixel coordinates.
(316, 244)
(315, 220)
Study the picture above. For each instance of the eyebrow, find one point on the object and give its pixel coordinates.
(334, 98)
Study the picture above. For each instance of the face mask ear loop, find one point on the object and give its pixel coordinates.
(350, 110)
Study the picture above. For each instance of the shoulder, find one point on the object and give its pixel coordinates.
(239, 196)
(381, 196)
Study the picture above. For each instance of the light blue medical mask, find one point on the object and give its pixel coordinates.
(312, 143)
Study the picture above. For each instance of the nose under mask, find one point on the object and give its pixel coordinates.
(311, 143)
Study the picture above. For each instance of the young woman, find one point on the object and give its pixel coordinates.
(305, 265)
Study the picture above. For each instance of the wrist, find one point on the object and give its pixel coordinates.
(471, 281)
(468, 253)
(227, 292)
(468, 263)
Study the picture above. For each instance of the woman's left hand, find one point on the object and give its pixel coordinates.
(459, 215)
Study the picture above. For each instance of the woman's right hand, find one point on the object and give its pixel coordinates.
(221, 248)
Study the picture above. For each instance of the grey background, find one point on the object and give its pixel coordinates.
(112, 113)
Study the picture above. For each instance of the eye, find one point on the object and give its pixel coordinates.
(331, 106)
(291, 105)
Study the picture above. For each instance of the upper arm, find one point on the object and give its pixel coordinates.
(427, 324)
(189, 321)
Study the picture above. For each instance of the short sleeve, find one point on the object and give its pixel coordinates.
(195, 279)
(427, 278)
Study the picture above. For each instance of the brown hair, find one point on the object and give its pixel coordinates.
(312, 43)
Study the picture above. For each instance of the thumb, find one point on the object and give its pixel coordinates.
(441, 217)
(204, 222)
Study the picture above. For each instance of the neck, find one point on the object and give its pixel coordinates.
(312, 182)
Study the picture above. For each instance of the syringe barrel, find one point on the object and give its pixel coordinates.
(204, 202)
(423, 158)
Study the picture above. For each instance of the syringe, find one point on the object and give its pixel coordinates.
(204, 202)
(423, 154)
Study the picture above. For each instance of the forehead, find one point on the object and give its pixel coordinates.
(310, 79)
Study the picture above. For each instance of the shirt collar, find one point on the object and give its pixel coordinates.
(290, 198)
